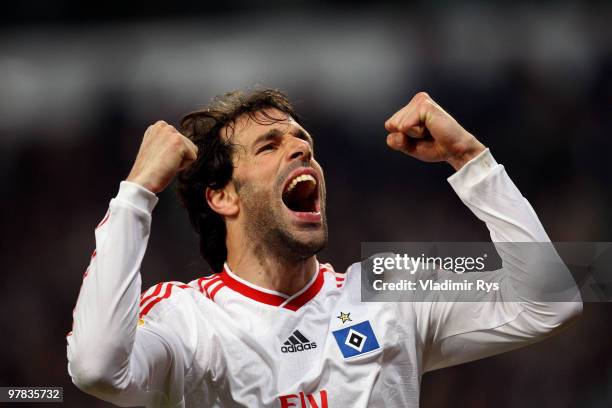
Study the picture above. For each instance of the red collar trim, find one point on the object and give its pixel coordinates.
(248, 291)
(303, 298)
(291, 303)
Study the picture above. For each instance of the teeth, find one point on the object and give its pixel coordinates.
(295, 181)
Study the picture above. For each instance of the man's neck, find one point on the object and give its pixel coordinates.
(270, 272)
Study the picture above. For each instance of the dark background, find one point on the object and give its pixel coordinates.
(78, 87)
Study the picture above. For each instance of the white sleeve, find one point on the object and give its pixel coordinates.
(521, 312)
(109, 356)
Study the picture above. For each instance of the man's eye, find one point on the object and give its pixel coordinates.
(269, 146)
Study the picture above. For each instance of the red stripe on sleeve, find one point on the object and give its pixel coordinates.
(215, 290)
(106, 217)
(211, 282)
(157, 300)
(155, 293)
(200, 284)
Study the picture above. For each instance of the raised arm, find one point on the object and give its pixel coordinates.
(109, 355)
(537, 295)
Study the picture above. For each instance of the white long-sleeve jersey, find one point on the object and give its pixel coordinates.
(221, 341)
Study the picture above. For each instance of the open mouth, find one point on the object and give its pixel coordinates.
(301, 194)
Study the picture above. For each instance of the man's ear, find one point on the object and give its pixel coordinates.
(223, 201)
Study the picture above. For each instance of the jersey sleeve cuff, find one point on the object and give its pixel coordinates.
(473, 172)
(137, 195)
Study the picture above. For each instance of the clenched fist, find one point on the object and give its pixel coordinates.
(422, 129)
(163, 153)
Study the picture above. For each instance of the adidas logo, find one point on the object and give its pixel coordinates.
(297, 342)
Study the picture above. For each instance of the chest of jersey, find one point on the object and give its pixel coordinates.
(329, 352)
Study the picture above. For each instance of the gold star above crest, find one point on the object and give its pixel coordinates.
(345, 317)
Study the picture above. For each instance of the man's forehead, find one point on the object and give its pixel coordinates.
(248, 126)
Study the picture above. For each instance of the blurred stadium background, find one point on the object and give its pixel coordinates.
(79, 83)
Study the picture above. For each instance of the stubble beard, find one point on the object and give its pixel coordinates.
(265, 229)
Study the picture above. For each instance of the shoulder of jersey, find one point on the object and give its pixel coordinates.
(165, 294)
(340, 277)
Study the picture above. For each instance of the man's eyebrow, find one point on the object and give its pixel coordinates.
(275, 133)
(269, 135)
(301, 134)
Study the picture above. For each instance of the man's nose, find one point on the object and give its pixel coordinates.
(300, 149)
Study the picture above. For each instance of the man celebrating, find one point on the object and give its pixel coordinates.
(273, 327)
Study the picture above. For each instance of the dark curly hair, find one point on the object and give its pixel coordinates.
(214, 167)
